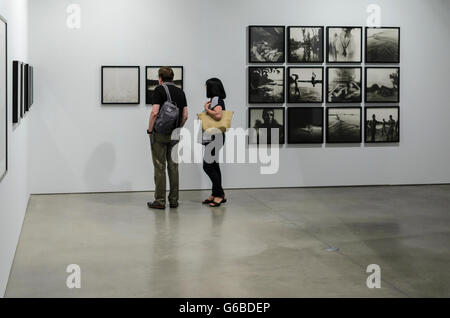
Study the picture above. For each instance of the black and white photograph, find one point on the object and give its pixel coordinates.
(3, 99)
(305, 125)
(305, 84)
(344, 124)
(266, 44)
(266, 122)
(344, 44)
(26, 87)
(344, 84)
(382, 85)
(16, 92)
(305, 44)
(382, 124)
(120, 85)
(266, 85)
(152, 80)
(383, 45)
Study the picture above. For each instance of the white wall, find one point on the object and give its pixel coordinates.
(78, 145)
(14, 192)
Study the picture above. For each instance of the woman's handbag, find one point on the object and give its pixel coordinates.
(210, 123)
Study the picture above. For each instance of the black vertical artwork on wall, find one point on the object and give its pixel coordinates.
(26, 97)
(15, 93)
(21, 90)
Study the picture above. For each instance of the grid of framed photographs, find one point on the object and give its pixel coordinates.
(22, 89)
(360, 68)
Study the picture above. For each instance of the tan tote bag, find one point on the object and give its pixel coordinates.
(209, 123)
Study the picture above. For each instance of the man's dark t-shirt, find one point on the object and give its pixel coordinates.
(177, 95)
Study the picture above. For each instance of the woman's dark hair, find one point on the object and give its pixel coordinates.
(214, 87)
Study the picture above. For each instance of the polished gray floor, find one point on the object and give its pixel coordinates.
(263, 243)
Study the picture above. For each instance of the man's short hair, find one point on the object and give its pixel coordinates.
(166, 74)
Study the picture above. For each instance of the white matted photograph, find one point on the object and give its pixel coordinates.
(120, 85)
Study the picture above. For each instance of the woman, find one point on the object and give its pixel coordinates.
(214, 107)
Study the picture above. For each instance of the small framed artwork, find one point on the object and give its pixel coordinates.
(120, 85)
(344, 124)
(382, 85)
(152, 80)
(344, 84)
(382, 124)
(266, 123)
(266, 85)
(31, 88)
(305, 84)
(305, 44)
(26, 87)
(305, 125)
(383, 45)
(266, 44)
(16, 92)
(344, 44)
(22, 100)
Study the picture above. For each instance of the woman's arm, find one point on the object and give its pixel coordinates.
(215, 113)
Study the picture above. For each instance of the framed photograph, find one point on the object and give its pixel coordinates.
(344, 84)
(266, 85)
(31, 86)
(382, 124)
(344, 124)
(26, 87)
(383, 45)
(382, 85)
(152, 80)
(267, 123)
(305, 125)
(22, 112)
(16, 92)
(305, 44)
(305, 84)
(120, 85)
(3, 98)
(266, 44)
(344, 44)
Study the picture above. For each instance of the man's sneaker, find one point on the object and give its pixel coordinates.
(156, 205)
(174, 205)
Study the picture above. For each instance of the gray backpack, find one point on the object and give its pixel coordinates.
(169, 115)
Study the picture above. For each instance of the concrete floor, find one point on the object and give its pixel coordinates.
(263, 243)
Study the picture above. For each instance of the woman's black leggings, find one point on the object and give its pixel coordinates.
(213, 171)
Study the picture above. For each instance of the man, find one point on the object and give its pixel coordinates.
(269, 123)
(161, 144)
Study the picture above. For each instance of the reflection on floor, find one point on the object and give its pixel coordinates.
(262, 243)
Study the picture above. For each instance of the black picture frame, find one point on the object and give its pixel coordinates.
(359, 61)
(343, 140)
(138, 85)
(337, 101)
(366, 125)
(251, 37)
(254, 91)
(282, 138)
(289, 50)
(22, 112)
(31, 85)
(5, 101)
(290, 99)
(26, 87)
(15, 92)
(292, 113)
(149, 92)
(373, 60)
(368, 90)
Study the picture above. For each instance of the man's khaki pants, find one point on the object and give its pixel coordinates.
(161, 153)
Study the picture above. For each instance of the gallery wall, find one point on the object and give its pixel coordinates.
(14, 192)
(78, 145)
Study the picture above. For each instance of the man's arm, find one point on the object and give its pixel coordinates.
(184, 117)
(153, 115)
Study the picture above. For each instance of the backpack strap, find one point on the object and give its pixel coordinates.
(167, 92)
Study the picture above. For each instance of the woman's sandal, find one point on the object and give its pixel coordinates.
(214, 204)
(207, 201)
